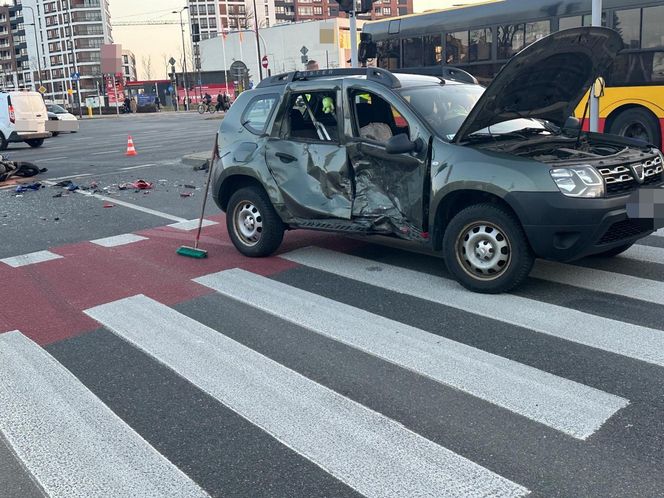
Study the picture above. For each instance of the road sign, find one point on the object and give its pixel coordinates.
(304, 50)
(70, 91)
(172, 61)
(304, 59)
(265, 62)
(75, 76)
(42, 89)
(170, 89)
(251, 84)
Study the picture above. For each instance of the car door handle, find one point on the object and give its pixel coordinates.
(286, 158)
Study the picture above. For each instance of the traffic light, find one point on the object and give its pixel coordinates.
(195, 33)
(365, 6)
(346, 5)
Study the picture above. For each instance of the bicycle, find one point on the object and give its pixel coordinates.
(203, 108)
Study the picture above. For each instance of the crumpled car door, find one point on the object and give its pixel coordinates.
(314, 178)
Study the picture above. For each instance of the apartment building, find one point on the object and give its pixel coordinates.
(13, 49)
(307, 10)
(70, 34)
(129, 65)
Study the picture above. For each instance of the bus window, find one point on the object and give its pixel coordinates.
(537, 30)
(412, 52)
(456, 47)
(651, 31)
(511, 38)
(389, 54)
(433, 50)
(637, 69)
(628, 24)
(570, 22)
(480, 45)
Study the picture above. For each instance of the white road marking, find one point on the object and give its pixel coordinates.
(60, 178)
(634, 341)
(191, 224)
(119, 240)
(364, 449)
(618, 284)
(30, 259)
(138, 167)
(562, 404)
(659, 233)
(72, 444)
(106, 152)
(50, 159)
(644, 253)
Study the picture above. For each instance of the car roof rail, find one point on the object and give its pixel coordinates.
(456, 74)
(377, 74)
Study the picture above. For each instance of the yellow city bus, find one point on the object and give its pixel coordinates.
(480, 38)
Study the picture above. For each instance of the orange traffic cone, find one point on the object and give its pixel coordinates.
(131, 150)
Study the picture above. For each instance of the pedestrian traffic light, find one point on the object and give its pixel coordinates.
(346, 5)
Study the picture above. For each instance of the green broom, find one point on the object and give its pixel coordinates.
(195, 252)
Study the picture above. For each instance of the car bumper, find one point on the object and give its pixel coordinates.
(61, 126)
(23, 136)
(564, 229)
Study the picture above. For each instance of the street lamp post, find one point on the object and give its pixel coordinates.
(258, 44)
(184, 58)
(34, 25)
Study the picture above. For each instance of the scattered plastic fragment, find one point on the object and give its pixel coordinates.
(186, 194)
(108, 205)
(141, 185)
(189, 186)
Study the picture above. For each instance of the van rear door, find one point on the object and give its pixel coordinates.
(29, 112)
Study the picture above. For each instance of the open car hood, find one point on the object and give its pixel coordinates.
(546, 80)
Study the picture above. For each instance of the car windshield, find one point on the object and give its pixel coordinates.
(56, 109)
(445, 107)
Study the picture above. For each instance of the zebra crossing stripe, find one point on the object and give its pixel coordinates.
(644, 253)
(567, 406)
(71, 443)
(659, 233)
(30, 259)
(119, 240)
(364, 449)
(634, 341)
(618, 284)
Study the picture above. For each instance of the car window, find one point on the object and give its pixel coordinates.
(313, 116)
(375, 118)
(444, 107)
(257, 113)
(56, 109)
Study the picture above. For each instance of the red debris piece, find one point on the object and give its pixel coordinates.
(142, 185)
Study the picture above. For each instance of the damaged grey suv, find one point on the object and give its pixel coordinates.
(491, 177)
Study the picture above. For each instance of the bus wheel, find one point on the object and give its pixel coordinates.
(637, 123)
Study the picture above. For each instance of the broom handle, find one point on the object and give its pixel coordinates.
(207, 188)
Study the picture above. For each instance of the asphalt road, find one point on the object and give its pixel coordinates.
(340, 367)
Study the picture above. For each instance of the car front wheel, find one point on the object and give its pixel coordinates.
(36, 142)
(486, 249)
(253, 225)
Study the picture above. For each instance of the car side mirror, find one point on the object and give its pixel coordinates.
(401, 144)
(572, 124)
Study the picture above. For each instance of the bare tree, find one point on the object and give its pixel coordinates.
(146, 63)
(164, 59)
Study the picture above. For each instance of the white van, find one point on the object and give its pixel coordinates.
(23, 118)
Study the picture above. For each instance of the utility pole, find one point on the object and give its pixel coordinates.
(594, 100)
(352, 14)
(258, 44)
(73, 54)
(184, 58)
(34, 25)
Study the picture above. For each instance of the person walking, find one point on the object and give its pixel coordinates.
(220, 102)
(157, 102)
(126, 105)
(133, 105)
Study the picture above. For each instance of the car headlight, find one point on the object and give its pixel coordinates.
(579, 181)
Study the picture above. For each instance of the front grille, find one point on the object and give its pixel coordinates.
(621, 179)
(625, 229)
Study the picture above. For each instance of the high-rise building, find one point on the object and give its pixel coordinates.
(13, 50)
(70, 34)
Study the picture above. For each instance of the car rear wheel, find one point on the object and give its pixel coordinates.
(253, 225)
(637, 123)
(615, 251)
(36, 142)
(486, 249)
(3, 142)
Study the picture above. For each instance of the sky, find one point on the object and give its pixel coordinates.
(155, 42)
